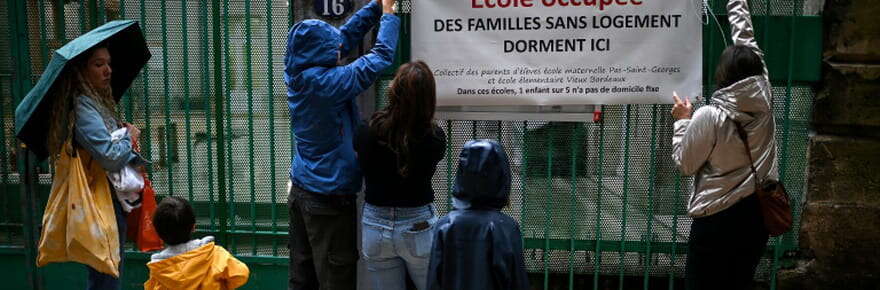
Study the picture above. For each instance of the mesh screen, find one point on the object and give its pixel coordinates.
(615, 182)
(10, 218)
(568, 187)
(599, 198)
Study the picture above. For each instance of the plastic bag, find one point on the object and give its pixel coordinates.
(128, 181)
(140, 222)
(128, 184)
(79, 224)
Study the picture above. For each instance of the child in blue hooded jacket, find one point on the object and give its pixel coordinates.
(476, 246)
(324, 174)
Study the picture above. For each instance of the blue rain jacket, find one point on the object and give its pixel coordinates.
(476, 246)
(322, 96)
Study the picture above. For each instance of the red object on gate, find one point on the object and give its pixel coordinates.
(140, 220)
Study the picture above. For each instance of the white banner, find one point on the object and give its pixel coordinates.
(559, 52)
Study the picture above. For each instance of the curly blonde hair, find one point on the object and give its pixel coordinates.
(70, 85)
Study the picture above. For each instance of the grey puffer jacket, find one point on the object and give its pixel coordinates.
(708, 146)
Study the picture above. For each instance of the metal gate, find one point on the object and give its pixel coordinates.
(598, 202)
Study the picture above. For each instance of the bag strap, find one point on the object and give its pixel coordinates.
(745, 139)
(135, 146)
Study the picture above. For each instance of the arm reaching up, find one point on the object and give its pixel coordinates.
(363, 72)
(741, 29)
(359, 24)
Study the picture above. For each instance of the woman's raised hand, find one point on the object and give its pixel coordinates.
(681, 110)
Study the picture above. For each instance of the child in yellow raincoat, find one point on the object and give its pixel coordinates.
(188, 263)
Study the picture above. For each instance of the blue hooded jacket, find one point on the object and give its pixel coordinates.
(476, 246)
(322, 96)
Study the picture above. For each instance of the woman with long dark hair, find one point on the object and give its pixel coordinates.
(728, 237)
(398, 154)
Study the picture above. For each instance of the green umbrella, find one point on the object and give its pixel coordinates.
(129, 52)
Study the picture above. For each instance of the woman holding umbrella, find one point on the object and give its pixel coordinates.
(86, 102)
(72, 109)
(86, 110)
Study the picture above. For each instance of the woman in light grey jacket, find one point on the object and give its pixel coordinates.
(727, 236)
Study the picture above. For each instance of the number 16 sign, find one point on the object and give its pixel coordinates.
(332, 9)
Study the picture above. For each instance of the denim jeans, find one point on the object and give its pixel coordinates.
(101, 281)
(392, 247)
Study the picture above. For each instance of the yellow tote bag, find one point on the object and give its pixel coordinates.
(79, 224)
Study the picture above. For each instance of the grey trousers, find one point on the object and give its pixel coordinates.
(323, 241)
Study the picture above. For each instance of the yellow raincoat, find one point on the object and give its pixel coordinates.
(206, 267)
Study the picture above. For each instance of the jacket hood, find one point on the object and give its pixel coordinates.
(190, 268)
(483, 179)
(311, 43)
(744, 99)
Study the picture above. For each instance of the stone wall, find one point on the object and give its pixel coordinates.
(840, 236)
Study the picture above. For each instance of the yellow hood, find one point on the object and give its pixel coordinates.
(206, 267)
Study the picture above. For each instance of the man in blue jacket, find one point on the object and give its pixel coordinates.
(324, 174)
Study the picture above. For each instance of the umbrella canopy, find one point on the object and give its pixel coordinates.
(129, 53)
